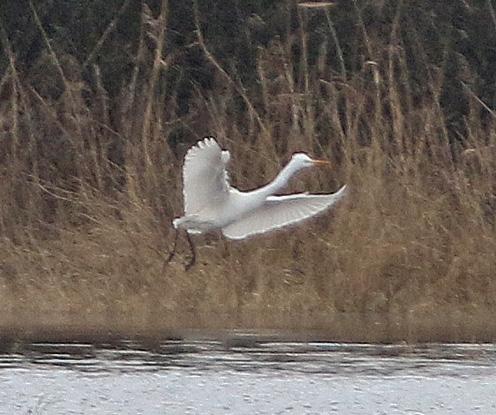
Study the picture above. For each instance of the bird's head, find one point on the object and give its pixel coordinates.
(302, 160)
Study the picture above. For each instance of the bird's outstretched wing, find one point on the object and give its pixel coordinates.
(204, 175)
(279, 211)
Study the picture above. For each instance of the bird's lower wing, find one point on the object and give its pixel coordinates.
(205, 177)
(280, 211)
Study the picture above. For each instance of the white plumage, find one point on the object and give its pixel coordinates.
(205, 176)
(211, 203)
(279, 211)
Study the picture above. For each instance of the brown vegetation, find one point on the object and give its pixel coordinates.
(88, 191)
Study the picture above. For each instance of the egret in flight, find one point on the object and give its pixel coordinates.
(211, 203)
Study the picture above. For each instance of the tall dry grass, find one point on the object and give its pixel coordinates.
(89, 188)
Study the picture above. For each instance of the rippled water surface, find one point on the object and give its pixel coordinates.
(245, 375)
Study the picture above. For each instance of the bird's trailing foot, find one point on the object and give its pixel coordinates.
(192, 260)
(173, 252)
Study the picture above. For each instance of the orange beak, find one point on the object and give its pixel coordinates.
(321, 163)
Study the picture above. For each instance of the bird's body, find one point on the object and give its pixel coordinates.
(219, 214)
(211, 203)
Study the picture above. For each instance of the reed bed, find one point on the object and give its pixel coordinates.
(89, 187)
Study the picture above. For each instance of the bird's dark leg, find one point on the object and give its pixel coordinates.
(172, 253)
(225, 246)
(193, 253)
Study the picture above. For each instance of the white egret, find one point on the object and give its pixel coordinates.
(211, 203)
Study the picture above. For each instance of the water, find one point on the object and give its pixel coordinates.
(247, 376)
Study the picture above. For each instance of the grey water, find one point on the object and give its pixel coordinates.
(247, 377)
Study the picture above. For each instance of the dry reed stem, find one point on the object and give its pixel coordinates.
(109, 29)
(211, 58)
(159, 27)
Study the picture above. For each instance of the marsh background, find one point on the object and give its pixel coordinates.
(99, 101)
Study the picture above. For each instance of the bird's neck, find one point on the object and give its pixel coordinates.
(281, 180)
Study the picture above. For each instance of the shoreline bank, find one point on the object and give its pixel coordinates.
(447, 326)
